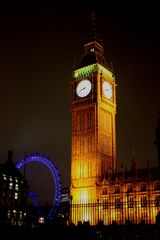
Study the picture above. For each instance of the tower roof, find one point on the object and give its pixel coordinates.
(93, 46)
(92, 34)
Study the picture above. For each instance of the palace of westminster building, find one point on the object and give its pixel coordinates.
(99, 192)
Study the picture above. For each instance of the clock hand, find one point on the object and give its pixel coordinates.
(82, 89)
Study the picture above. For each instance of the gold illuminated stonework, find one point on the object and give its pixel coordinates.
(99, 192)
(93, 138)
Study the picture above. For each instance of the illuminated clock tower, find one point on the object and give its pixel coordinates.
(93, 109)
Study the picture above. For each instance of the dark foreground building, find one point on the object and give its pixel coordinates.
(13, 194)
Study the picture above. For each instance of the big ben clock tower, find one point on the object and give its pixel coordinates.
(93, 109)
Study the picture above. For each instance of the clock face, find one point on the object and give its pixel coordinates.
(107, 89)
(83, 88)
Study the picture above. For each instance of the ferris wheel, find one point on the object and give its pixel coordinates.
(36, 157)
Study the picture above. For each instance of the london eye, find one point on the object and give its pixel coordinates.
(36, 157)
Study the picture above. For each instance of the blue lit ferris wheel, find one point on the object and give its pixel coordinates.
(35, 157)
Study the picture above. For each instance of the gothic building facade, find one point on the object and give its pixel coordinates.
(99, 192)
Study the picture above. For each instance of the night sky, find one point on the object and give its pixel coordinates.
(39, 45)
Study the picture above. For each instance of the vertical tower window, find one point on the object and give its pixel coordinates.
(81, 121)
(81, 145)
(89, 119)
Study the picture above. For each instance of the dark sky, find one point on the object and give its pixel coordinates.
(38, 47)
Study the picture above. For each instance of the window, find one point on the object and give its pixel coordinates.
(89, 118)
(143, 188)
(157, 201)
(10, 178)
(4, 177)
(117, 189)
(20, 214)
(117, 203)
(130, 202)
(143, 201)
(91, 49)
(104, 191)
(130, 189)
(105, 204)
(10, 185)
(157, 187)
(16, 180)
(15, 195)
(16, 187)
(9, 214)
(81, 121)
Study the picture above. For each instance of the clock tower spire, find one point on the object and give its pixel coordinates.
(93, 46)
(93, 109)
